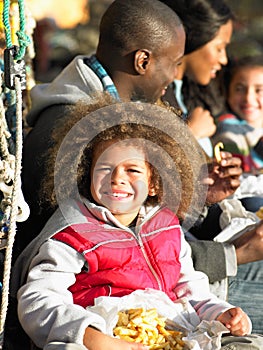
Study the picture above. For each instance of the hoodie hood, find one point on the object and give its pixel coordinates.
(103, 214)
(75, 82)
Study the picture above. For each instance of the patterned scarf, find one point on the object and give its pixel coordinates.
(106, 81)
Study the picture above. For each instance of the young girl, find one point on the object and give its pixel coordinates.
(113, 232)
(241, 129)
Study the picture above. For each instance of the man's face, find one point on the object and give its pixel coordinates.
(161, 69)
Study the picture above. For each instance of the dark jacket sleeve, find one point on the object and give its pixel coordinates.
(259, 147)
(209, 257)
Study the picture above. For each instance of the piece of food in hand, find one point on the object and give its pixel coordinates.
(217, 149)
(147, 327)
(259, 213)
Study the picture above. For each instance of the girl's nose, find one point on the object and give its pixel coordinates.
(118, 176)
(250, 95)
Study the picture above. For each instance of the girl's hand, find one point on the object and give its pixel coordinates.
(95, 340)
(236, 320)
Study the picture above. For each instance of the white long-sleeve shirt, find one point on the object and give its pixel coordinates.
(45, 305)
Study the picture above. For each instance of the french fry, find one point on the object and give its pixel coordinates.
(217, 150)
(259, 213)
(147, 327)
(125, 331)
(123, 319)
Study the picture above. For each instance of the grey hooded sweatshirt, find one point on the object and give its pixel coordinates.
(76, 81)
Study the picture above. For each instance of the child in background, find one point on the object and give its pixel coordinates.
(114, 231)
(241, 129)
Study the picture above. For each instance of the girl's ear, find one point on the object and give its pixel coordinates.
(152, 191)
(142, 59)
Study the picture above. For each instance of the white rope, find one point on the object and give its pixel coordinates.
(14, 206)
(4, 132)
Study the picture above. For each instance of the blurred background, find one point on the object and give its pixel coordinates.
(62, 29)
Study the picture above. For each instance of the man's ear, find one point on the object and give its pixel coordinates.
(142, 59)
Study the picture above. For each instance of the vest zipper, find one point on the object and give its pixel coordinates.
(148, 262)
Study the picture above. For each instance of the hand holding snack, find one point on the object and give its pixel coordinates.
(224, 176)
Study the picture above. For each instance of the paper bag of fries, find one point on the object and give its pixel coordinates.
(151, 318)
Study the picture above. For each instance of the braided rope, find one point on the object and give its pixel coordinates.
(6, 23)
(4, 133)
(23, 38)
(7, 166)
(14, 207)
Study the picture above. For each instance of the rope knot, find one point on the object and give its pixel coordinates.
(23, 38)
(24, 41)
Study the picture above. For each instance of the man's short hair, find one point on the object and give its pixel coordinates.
(131, 25)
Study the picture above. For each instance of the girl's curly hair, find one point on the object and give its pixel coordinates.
(175, 161)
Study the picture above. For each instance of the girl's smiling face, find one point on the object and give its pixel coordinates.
(245, 95)
(120, 179)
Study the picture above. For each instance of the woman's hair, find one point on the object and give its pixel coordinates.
(175, 173)
(201, 19)
(209, 96)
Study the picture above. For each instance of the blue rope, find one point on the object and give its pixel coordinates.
(23, 38)
(7, 24)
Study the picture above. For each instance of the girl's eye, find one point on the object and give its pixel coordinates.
(132, 170)
(103, 169)
(260, 91)
(240, 88)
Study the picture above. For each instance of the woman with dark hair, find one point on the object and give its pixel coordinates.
(208, 25)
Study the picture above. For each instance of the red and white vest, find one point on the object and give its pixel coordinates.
(120, 262)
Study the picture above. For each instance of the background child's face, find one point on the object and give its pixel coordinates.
(120, 179)
(245, 96)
